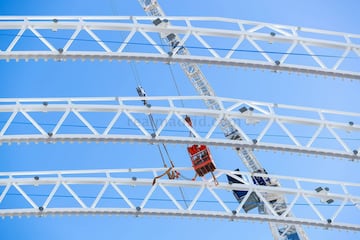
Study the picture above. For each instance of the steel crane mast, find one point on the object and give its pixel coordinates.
(202, 86)
(197, 78)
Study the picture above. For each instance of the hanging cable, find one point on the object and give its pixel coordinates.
(135, 73)
(141, 92)
(115, 12)
(175, 83)
(172, 174)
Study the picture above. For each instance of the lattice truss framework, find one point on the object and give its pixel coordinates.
(248, 44)
(125, 119)
(243, 43)
(116, 191)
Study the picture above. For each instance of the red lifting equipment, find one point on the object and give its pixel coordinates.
(201, 159)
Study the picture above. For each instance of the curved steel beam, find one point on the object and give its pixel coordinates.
(262, 125)
(251, 44)
(132, 192)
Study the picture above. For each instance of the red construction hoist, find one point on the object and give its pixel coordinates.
(201, 158)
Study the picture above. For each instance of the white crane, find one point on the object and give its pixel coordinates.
(202, 86)
(197, 78)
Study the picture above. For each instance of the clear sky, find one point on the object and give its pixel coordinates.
(104, 79)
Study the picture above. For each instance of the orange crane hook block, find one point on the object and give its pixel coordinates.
(201, 159)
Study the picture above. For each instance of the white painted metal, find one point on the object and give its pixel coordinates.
(202, 86)
(297, 49)
(198, 80)
(169, 112)
(344, 48)
(130, 192)
(194, 73)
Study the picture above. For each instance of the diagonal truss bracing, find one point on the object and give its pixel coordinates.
(130, 192)
(123, 119)
(243, 43)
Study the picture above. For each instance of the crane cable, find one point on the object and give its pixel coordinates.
(171, 174)
(175, 83)
(182, 104)
(142, 93)
(187, 118)
(135, 73)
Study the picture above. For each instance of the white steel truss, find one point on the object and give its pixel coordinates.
(124, 119)
(292, 46)
(132, 192)
(243, 43)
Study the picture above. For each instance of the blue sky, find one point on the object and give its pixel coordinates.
(95, 79)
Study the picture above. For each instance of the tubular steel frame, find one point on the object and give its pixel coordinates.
(194, 32)
(126, 111)
(292, 44)
(41, 201)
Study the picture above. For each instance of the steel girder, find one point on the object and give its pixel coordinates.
(123, 119)
(293, 49)
(132, 192)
